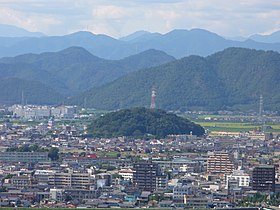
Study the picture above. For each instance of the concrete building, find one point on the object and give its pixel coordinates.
(181, 192)
(243, 179)
(219, 163)
(42, 176)
(145, 174)
(71, 180)
(161, 182)
(20, 182)
(32, 157)
(126, 174)
(57, 194)
(263, 178)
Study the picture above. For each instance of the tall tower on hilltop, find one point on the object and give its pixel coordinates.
(153, 98)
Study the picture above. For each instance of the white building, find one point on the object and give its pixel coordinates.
(126, 174)
(242, 178)
(56, 194)
(31, 111)
(64, 111)
(35, 112)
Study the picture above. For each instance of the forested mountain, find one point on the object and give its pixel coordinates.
(232, 78)
(141, 122)
(177, 43)
(12, 90)
(73, 70)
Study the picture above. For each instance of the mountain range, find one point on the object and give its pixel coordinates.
(68, 72)
(109, 73)
(271, 38)
(231, 79)
(177, 43)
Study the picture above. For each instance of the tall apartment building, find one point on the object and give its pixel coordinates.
(145, 175)
(219, 163)
(263, 178)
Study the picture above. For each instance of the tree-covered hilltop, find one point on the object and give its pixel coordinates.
(142, 122)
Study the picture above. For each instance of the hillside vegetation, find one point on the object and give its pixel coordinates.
(231, 79)
(12, 90)
(69, 72)
(141, 122)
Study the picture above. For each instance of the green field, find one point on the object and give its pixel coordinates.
(237, 127)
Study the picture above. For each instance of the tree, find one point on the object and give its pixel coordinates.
(53, 154)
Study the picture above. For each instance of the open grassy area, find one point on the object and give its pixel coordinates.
(237, 126)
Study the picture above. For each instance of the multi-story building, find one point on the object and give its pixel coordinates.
(263, 178)
(20, 182)
(243, 179)
(71, 180)
(42, 176)
(161, 182)
(181, 191)
(126, 174)
(145, 174)
(219, 163)
(32, 157)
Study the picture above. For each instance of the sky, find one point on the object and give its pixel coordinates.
(118, 18)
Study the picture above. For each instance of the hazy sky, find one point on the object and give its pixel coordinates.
(120, 17)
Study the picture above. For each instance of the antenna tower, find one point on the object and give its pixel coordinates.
(261, 117)
(261, 106)
(22, 98)
(153, 98)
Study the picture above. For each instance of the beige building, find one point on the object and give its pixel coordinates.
(71, 180)
(219, 163)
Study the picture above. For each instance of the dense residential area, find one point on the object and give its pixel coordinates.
(137, 104)
(55, 162)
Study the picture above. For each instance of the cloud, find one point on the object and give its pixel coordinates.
(28, 21)
(120, 17)
(108, 12)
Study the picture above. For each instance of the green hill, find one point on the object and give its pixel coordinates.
(141, 122)
(11, 90)
(231, 79)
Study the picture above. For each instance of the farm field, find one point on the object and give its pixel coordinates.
(238, 127)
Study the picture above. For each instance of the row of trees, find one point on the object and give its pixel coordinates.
(261, 199)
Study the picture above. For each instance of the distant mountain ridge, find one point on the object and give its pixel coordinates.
(230, 79)
(271, 38)
(13, 31)
(177, 43)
